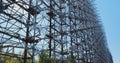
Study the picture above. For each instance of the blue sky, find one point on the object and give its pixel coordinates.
(109, 12)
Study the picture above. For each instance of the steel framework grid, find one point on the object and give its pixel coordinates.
(68, 29)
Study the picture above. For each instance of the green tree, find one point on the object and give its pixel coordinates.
(71, 58)
(12, 60)
(44, 57)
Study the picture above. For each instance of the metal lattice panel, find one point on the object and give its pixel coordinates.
(68, 29)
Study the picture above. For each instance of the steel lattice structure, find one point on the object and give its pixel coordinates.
(68, 29)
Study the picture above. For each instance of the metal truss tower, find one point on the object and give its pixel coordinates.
(68, 29)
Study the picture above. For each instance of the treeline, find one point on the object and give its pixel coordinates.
(43, 58)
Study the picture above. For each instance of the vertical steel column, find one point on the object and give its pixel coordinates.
(27, 34)
(50, 40)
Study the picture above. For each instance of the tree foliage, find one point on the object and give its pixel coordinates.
(44, 58)
(13, 60)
